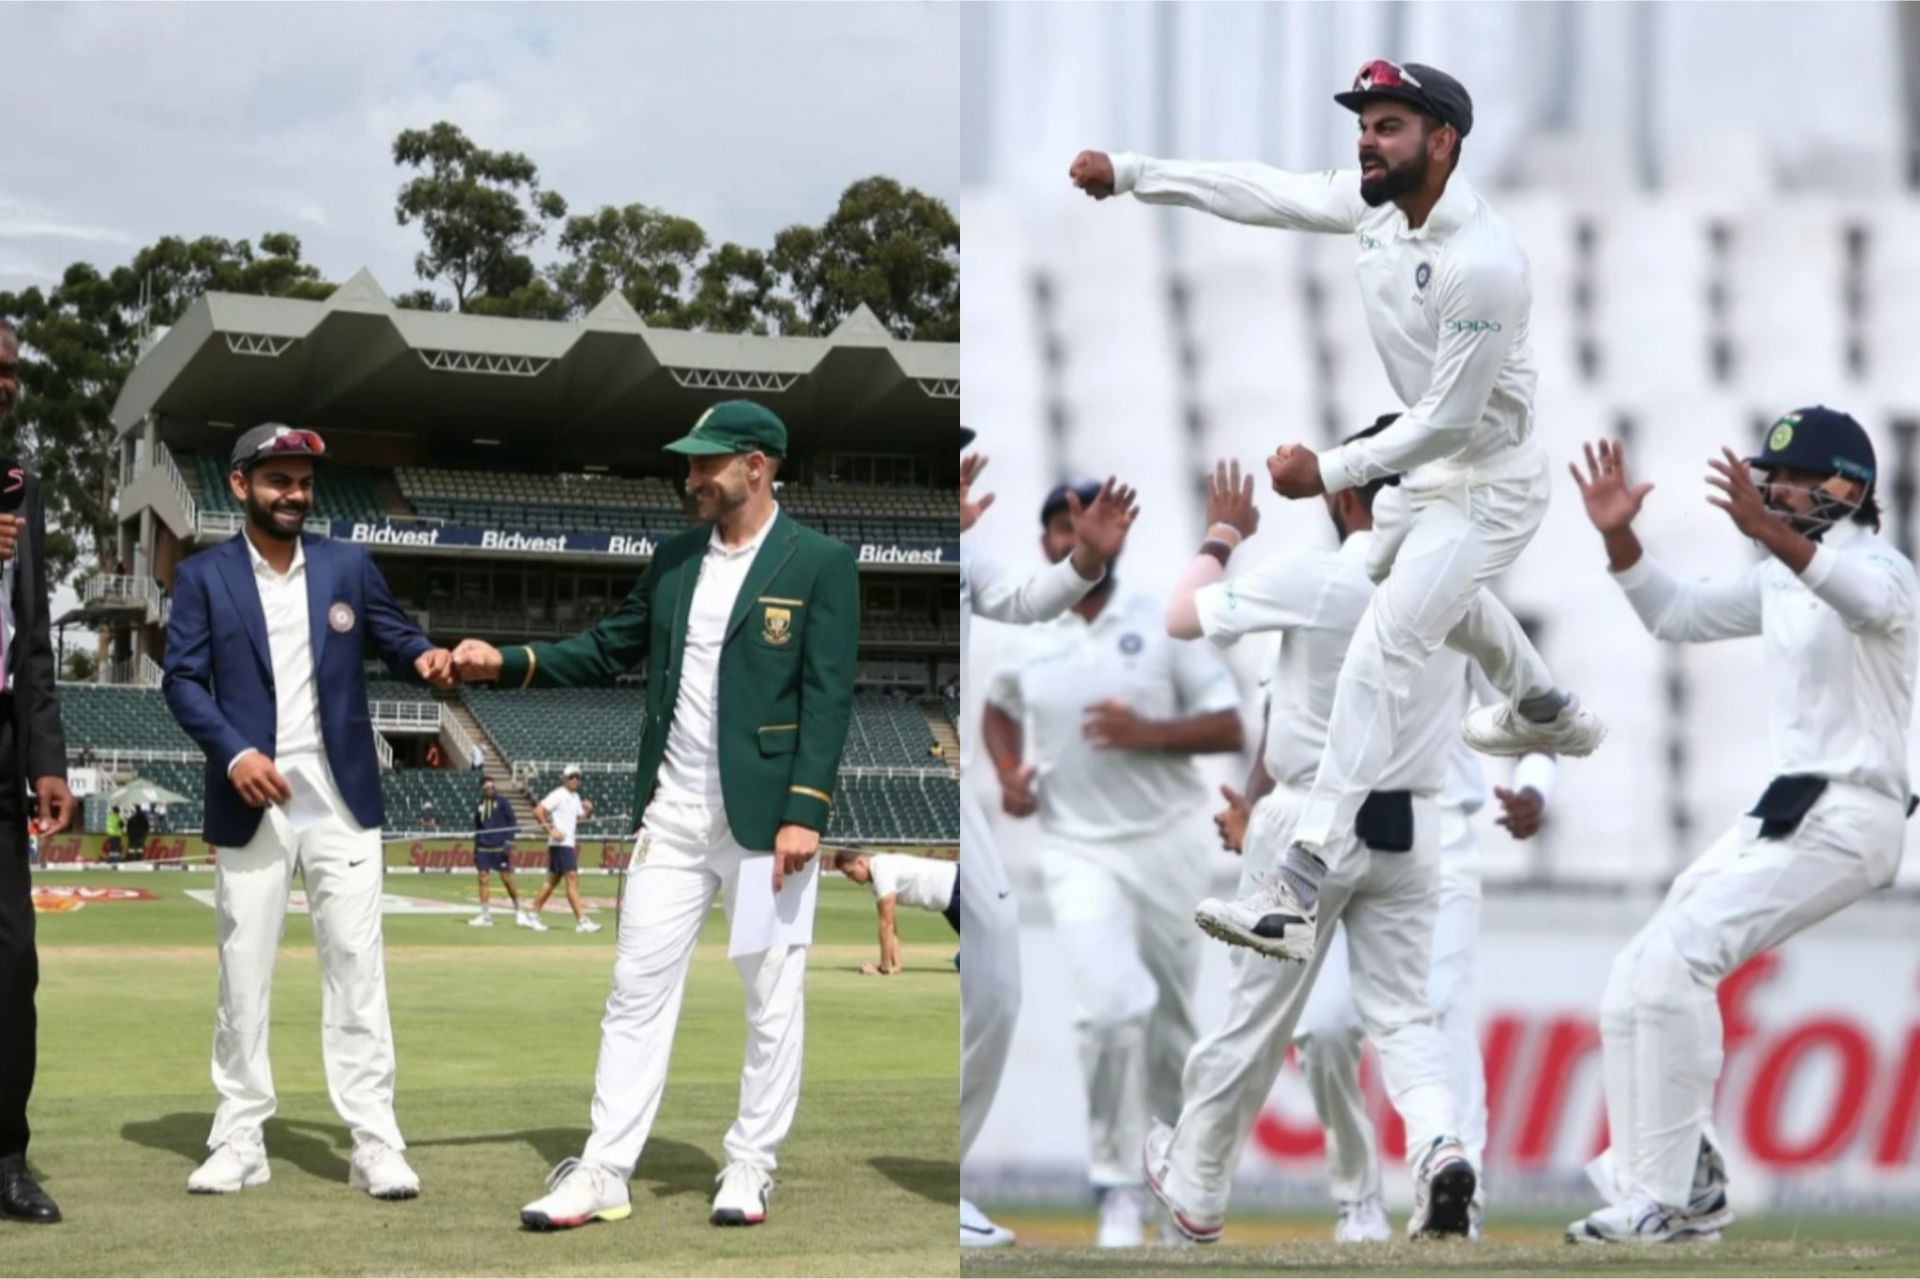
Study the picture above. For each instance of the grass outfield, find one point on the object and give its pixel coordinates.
(497, 1033)
(1530, 1245)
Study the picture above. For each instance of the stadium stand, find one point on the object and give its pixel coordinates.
(577, 725)
(112, 719)
(454, 792)
(887, 732)
(339, 492)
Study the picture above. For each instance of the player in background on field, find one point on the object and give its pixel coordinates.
(492, 835)
(1094, 728)
(1834, 605)
(1447, 292)
(990, 936)
(560, 813)
(900, 879)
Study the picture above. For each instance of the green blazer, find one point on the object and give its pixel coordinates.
(786, 672)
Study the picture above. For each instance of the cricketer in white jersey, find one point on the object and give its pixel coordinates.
(1447, 293)
(1387, 894)
(1834, 605)
(1330, 1035)
(1094, 727)
(989, 917)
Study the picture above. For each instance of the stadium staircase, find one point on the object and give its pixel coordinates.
(386, 492)
(943, 731)
(498, 769)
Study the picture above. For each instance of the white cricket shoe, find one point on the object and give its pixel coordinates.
(1154, 1162)
(741, 1194)
(578, 1194)
(1362, 1221)
(1639, 1220)
(1503, 730)
(231, 1166)
(382, 1172)
(1123, 1218)
(534, 922)
(977, 1230)
(521, 919)
(1708, 1211)
(480, 921)
(1268, 918)
(586, 926)
(1443, 1185)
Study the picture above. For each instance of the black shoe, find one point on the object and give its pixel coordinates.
(20, 1195)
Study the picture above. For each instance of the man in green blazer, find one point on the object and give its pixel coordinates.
(749, 625)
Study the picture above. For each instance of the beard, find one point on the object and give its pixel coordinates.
(1397, 181)
(262, 516)
(715, 501)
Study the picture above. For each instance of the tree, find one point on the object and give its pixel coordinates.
(893, 248)
(80, 666)
(479, 210)
(644, 253)
(736, 293)
(79, 341)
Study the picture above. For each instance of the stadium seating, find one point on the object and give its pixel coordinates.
(888, 732)
(612, 796)
(111, 718)
(453, 792)
(385, 689)
(578, 725)
(896, 808)
(339, 492)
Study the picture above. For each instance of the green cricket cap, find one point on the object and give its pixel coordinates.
(735, 426)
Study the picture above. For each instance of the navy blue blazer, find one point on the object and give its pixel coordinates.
(220, 681)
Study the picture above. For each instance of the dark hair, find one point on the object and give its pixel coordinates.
(1428, 123)
(1371, 490)
(1868, 512)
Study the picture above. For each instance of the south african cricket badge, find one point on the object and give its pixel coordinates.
(340, 618)
(776, 625)
(641, 848)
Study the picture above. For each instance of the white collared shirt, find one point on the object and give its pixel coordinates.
(925, 883)
(563, 808)
(692, 764)
(1448, 304)
(987, 588)
(1314, 600)
(1125, 654)
(1841, 645)
(296, 698)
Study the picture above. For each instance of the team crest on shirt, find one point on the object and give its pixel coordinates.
(1131, 643)
(340, 618)
(1421, 274)
(776, 626)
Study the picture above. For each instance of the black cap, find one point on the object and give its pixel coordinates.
(1821, 440)
(271, 439)
(966, 436)
(1418, 85)
(1085, 490)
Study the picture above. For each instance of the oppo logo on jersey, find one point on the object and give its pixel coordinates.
(1472, 326)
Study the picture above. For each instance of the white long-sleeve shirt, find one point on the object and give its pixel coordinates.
(987, 588)
(1315, 600)
(1841, 648)
(1448, 304)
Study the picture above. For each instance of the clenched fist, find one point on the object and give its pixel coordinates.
(436, 667)
(1092, 172)
(259, 782)
(10, 526)
(476, 661)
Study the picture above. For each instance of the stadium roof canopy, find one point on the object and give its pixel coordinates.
(607, 388)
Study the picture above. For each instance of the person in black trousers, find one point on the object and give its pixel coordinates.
(32, 749)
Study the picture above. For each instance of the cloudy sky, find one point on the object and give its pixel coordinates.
(130, 121)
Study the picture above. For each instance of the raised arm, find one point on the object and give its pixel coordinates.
(1232, 517)
(1100, 531)
(610, 647)
(1240, 191)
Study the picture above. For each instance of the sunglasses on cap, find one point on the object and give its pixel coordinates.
(305, 442)
(1382, 74)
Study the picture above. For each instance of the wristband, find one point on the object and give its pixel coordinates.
(1536, 772)
(1221, 531)
(1218, 549)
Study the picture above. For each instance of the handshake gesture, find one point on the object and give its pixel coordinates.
(472, 661)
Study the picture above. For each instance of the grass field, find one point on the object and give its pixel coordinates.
(1529, 1245)
(497, 1032)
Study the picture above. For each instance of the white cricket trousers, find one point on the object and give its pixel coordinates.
(1438, 545)
(989, 969)
(1123, 912)
(1660, 1016)
(1388, 902)
(690, 854)
(342, 867)
(1330, 1033)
